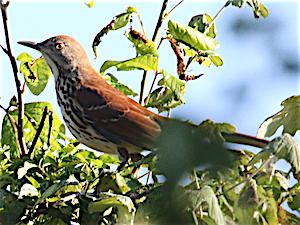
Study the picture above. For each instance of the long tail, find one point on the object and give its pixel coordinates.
(244, 139)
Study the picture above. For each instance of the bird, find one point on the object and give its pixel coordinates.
(98, 115)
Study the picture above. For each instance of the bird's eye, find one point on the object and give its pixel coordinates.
(59, 46)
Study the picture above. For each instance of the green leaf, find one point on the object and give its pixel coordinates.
(118, 22)
(113, 81)
(131, 9)
(33, 181)
(28, 190)
(206, 195)
(33, 115)
(294, 202)
(217, 60)
(36, 72)
(23, 170)
(11, 208)
(144, 62)
(198, 145)
(258, 8)
(288, 117)
(263, 10)
(141, 43)
(169, 95)
(126, 209)
(50, 191)
(177, 86)
(90, 4)
(284, 147)
(237, 3)
(200, 22)
(191, 37)
(247, 204)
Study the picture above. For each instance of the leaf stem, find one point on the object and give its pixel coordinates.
(9, 52)
(38, 131)
(158, 25)
(214, 19)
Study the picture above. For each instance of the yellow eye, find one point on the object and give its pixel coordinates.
(59, 46)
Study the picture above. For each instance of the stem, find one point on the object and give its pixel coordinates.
(9, 52)
(50, 127)
(167, 14)
(158, 25)
(38, 131)
(213, 20)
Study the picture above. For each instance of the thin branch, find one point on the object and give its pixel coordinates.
(4, 49)
(167, 14)
(158, 25)
(50, 127)
(214, 19)
(38, 131)
(20, 134)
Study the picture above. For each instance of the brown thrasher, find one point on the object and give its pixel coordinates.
(98, 115)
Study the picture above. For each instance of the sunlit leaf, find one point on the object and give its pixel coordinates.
(28, 190)
(113, 81)
(288, 117)
(169, 95)
(118, 22)
(35, 71)
(90, 4)
(126, 209)
(141, 43)
(191, 37)
(200, 23)
(144, 62)
(206, 195)
(32, 118)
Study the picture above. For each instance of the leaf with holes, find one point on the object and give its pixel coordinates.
(36, 72)
(141, 43)
(118, 22)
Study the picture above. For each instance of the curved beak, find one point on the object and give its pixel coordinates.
(30, 44)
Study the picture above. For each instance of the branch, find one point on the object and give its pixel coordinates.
(9, 52)
(213, 20)
(50, 127)
(38, 131)
(158, 25)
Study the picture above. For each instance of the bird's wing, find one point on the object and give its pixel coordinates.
(117, 117)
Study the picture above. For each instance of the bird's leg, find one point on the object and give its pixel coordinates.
(135, 158)
(123, 157)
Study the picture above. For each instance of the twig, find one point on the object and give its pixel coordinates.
(167, 14)
(50, 127)
(213, 20)
(38, 131)
(9, 52)
(158, 25)
(4, 49)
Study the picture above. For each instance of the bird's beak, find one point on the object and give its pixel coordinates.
(30, 44)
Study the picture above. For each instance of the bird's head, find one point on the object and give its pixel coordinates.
(60, 52)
